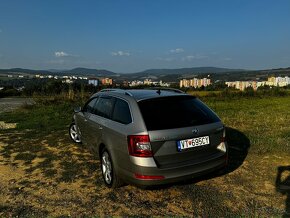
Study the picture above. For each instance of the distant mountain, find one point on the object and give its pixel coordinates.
(184, 71)
(86, 71)
(166, 75)
(198, 70)
(26, 71)
(173, 74)
(57, 70)
(75, 71)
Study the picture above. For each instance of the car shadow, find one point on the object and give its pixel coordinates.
(283, 186)
(238, 146)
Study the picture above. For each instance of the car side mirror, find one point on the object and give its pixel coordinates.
(77, 109)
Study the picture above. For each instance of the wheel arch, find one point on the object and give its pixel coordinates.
(99, 150)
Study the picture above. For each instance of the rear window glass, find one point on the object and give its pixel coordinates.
(121, 112)
(175, 112)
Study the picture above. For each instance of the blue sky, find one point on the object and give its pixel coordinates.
(134, 35)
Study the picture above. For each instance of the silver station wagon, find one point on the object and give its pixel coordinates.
(150, 136)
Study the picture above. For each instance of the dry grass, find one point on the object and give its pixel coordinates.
(44, 174)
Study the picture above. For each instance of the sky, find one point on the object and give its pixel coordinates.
(128, 36)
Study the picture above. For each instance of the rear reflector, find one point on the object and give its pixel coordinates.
(223, 139)
(146, 177)
(227, 159)
(222, 146)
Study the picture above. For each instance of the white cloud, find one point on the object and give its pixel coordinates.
(60, 54)
(120, 53)
(227, 59)
(177, 50)
(194, 57)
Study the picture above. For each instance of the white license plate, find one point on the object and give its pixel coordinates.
(194, 142)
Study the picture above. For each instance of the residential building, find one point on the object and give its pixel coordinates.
(107, 81)
(93, 81)
(136, 83)
(271, 81)
(68, 81)
(195, 82)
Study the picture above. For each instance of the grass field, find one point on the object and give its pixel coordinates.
(5, 78)
(44, 174)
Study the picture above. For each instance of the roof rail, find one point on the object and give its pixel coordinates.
(167, 89)
(117, 90)
(110, 90)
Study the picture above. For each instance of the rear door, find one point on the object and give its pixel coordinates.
(182, 130)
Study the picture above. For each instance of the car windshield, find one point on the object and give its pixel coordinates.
(175, 112)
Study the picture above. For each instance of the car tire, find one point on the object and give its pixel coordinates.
(111, 179)
(74, 134)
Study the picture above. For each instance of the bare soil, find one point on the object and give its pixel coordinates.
(54, 177)
(9, 104)
(51, 176)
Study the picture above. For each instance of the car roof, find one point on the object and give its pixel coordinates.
(142, 94)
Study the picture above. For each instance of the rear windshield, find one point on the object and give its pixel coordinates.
(175, 112)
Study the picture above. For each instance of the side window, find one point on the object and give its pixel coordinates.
(104, 107)
(121, 112)
(89, 106)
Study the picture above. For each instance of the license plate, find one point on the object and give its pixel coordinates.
(194, 142)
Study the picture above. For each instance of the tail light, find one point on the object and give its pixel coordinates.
(139, 146)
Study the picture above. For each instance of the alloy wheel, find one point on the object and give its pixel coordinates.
(107, 167)
(74, 134)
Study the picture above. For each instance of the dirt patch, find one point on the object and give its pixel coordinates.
(53, 177)
(10, 104)
(4, 125)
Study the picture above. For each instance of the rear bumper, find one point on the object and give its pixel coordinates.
(173, 174)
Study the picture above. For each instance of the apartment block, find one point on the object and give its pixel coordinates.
(271, 81)
(107, 81)
(194, 82)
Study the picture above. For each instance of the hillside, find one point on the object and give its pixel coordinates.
(86, 71)
(192, 70)
(23, 71)
(166, 75)
(76, 71)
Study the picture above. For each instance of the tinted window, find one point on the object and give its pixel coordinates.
(104, 107)
(175, 112)
(121, 112)
(89, 107)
